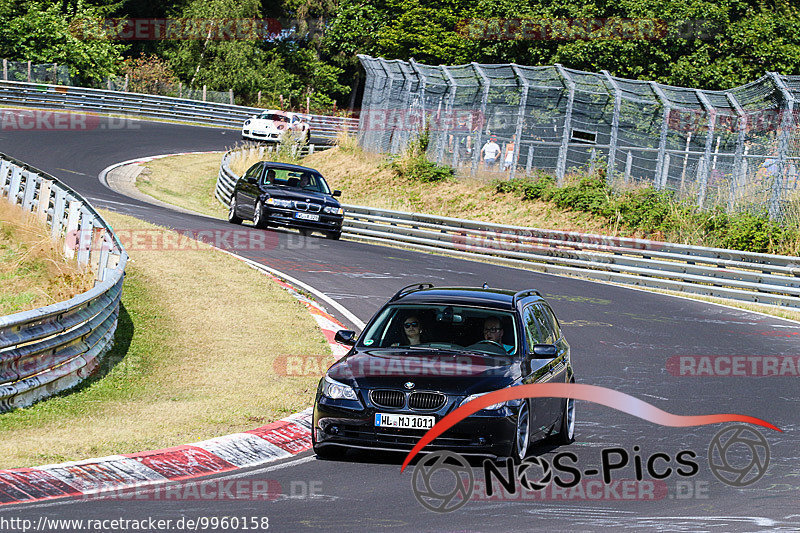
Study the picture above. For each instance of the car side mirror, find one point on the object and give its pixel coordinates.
(337, 192)
(345, 336)
(544, 351)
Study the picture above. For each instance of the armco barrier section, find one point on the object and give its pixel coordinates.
(53, 348)
(762, 278)
(151, 106)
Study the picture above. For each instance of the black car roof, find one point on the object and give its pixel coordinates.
(289, 166)
(485, 297)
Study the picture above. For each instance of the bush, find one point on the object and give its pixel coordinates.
(413, 163)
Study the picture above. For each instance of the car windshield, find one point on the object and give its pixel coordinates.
(297, 179)
(274, 116)
(444, 327)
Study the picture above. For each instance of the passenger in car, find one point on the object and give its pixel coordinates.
(412, 331)
(493, 331)
(270, 177)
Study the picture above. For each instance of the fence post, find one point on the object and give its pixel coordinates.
(230, 95)
(786, 131)
(58, 213)
(73, 214)
(108, 83)
(29, 71)
(5, 70)
(259, 98)
(561, 165)
(55, 73)
(423, 81)
(662, 141)
(712, 121)
(86, 233)
(738, 157)
(180, 89)
(628, 165)
(664, 172)
(125, 83)
(529, 162)
(44, 200)
(476, 148)
(16, 181)
(523, 103)
(452, 87)
(29, 191)
(685, 161)
(204, 92)
(612, 149)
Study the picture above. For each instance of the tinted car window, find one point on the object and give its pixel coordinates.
(548, 336)
(274, 117)
(533, 332)
(303, 180)
(253, 171)
(553, 321)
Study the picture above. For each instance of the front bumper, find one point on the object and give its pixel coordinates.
(484, 433)
(287, 217)
(261, 135)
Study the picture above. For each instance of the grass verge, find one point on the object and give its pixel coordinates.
(33, 270)
(192, 360)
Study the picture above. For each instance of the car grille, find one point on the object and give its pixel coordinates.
(305, 206)
(426, 401)
(387, 398)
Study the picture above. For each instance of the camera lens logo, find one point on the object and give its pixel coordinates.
(738, 455)
(442, 481)
(524, 468)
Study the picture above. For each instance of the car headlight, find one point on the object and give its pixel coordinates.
(337, 391)
(334, 210)
(493, 407)
(278, 202)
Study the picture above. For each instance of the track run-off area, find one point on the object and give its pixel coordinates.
(623, 339)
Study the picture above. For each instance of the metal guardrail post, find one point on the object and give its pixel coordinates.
(612, 149)
(29, 190)
(44, 200)
(738, 157)
(476, 147)
(662, 140)
(711, 112)
(59, 206)
(13, 187)
(783, 145)
(73, 216)
(561, 165)
(523, 103)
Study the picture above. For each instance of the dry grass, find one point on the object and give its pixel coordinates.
(187, 181)
(203, 330)
(365, 179)
(33, 270)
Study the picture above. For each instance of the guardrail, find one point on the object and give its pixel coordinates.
(53, 348)
(762, 278)
(150, 106)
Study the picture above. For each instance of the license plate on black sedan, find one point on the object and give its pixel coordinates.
(307, 216)
(391, 420)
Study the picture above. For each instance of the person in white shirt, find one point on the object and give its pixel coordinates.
(490, 153)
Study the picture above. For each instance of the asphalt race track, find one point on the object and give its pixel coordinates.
(621, 339)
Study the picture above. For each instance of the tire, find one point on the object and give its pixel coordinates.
(522, 435)
(566, 432)
(233, 218)
(334, 235)
(258, 216)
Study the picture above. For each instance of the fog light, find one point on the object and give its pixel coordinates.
(481, 441)
(333, 430)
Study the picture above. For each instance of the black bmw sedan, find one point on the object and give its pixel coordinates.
(428, 351)
(280, 194)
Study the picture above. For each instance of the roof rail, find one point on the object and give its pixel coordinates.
(410, 288)
(523, 293)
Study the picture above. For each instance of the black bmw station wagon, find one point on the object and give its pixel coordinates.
(280, 194)
(431, 349)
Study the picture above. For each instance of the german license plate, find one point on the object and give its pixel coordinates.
(306, 216)
(390, 420)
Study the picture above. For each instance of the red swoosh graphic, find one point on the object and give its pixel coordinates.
(590, 393)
